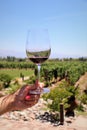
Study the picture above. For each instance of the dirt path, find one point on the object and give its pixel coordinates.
(80, 123)
(82, 82)
(32, 125)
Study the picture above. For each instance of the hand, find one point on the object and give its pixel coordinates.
(22, 98)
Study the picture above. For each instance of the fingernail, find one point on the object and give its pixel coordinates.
(27, 97)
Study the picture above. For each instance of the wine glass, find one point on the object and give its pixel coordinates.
(38, 51)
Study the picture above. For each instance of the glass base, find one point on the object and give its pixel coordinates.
(38, 91)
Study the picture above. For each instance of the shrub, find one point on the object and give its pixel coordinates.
(1, 85)
(31, 80)
(83, 98)
(5, 79)
(59, 95)
(13, 88)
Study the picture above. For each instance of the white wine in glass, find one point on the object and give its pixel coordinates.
(38, 50)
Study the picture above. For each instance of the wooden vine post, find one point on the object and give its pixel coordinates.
(61, 114)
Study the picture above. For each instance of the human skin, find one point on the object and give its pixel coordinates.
(20, 100)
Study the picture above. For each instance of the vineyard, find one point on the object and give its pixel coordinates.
(52, 71)
(70, 70)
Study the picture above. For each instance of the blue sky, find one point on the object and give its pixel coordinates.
(66, 21)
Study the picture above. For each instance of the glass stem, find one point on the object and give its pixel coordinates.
(38, 66)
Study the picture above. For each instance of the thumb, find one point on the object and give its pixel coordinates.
(36, 83)
(35, 86)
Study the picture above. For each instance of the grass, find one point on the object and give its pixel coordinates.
(15, 73)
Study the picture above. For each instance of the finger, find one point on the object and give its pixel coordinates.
(26, 89)
(31, 102)
(27, 97)
(37, 88)
(41, 85)
(36, 85)
(32, 97)
(33, 87)
(23, 92)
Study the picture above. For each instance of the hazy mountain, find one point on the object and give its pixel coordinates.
(22, 54)
(5, 53)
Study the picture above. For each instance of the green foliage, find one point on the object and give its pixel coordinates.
(52, 70)
(72, 90)
(16, 64)
(5, 79)
(80, 107)
(13, 87)
(15, 73)
(47, 73)
(36, 71)
(83, 98)
(71, 69)
(31, 80)
(59, 95)
(1, 85)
